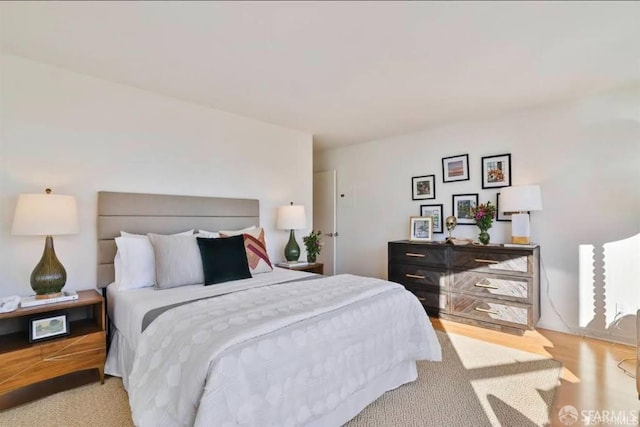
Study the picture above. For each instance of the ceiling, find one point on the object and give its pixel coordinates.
(347, 72)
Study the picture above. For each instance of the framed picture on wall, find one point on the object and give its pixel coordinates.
(496, 171)
(423, 187)
(435, 212)
(420, 228)
(455, 168)
(462, 204)
(502, 216)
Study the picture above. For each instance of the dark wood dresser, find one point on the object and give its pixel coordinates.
(490, 286)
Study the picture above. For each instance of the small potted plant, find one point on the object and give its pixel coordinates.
(313, 244)
(483, 214)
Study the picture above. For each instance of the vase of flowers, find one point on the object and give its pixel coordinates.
(313, 244)
(483, 214)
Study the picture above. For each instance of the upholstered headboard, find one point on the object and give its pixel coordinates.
(164, 214)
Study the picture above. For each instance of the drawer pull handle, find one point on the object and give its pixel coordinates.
(487, 261)
(484, 310)
(482, 285)
(422, 299)
(415, 255)
(415, 276)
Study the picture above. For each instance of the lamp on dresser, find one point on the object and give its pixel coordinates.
(519, 200)
(291, 218)
(46, 215)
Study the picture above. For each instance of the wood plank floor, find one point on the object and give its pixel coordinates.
(591, 379)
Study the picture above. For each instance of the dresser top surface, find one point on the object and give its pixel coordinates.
(443, 244)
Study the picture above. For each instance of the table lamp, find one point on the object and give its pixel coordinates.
(46, 215)
(291, 218)
(519, 200)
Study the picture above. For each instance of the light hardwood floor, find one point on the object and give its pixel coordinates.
(591, 379)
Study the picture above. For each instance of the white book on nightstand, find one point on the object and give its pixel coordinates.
(32, 301)
(287, 264)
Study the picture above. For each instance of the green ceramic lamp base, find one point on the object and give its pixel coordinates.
(292, 250)
(49, 276)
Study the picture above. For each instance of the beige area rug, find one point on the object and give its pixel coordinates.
(477, 384)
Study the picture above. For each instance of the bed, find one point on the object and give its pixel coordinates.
(279, 348)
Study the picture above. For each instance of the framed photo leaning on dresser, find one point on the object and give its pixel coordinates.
(421, 229)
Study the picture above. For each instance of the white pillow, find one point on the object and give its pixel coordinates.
(178, 261)
(208, 234)
(134, 262)
(236, 232)
(182, 233)
(214, 234)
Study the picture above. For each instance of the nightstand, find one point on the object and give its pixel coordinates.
(314, 267)
(23, 364)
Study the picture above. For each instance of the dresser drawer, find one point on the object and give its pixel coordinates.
(436, 302)
(415, 253)
(417, 276)
(14, 367)
(493, 285)
(492, 311)
(518, 262)
(51, 359)
(55, 366)
(74, 348)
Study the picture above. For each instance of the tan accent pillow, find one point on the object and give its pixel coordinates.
(255, 247)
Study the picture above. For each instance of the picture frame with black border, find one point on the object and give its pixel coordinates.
(435, 212)
(420, 229)
(48, 326)
(496, 171)
(462, 204)
(455, 168)
(423, 187)
(502, 216)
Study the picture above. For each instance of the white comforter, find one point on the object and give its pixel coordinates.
(280, 355)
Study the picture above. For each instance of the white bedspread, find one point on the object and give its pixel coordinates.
(283, 355)
(128, 308)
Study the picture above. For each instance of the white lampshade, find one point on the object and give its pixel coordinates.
(291, 217)
(45, 215)
(520, 198)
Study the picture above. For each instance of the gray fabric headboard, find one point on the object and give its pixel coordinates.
(164, 214)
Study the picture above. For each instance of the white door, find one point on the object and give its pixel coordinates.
(324, 217)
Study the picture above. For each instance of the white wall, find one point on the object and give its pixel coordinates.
(80, 135)
(584, 154)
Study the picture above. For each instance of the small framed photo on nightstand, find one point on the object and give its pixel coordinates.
(51, 325)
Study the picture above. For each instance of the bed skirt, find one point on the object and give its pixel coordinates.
(120, 362)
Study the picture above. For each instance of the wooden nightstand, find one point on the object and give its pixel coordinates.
(22, 364)
(315, 267)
